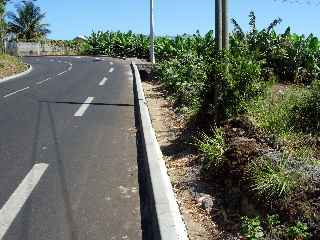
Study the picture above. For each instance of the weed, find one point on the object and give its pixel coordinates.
(299, 231)
(251, 228)
(213, 149)
(271, 179)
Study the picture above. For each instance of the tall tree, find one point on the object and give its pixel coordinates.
(26, 23)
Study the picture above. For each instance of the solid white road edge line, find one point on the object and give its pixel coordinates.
(111, 70)
(18, 198)
(83, 108)
(103, 81)
(10, 94)
(43, 81)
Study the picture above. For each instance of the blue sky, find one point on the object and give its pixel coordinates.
(70, 18)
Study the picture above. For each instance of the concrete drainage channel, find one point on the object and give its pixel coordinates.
(161, 218)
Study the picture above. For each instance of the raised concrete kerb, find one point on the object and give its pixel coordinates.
(17, 75)
(169, 220)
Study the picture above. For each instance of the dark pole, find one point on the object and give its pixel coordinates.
(218, 24)
(225, 24)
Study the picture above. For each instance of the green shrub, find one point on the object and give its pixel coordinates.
(213, 149)
(251, 228)
(232, 81)
(184, 78)
(273, 221)
(299, 231)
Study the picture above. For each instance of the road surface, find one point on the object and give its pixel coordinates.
(68, 155)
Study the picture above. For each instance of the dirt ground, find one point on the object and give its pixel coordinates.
(197, 200)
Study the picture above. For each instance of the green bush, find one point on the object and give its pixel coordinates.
(213, 149)
(184, 78)
(234, 80)
(299, 231)
(251, 228)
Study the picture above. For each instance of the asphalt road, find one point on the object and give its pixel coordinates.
(68, 154)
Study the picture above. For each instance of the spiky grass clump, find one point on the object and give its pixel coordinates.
(272, 179)
(213, 149)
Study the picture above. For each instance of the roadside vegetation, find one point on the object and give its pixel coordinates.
(10, 65)
(255, 115)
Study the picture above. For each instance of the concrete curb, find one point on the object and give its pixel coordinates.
(167, 222)
(17, 75)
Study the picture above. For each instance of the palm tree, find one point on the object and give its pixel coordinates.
(27, 22)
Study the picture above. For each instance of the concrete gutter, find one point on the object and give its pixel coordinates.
(17, 75)
(167, 222)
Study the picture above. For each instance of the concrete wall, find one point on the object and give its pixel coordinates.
(34, 49)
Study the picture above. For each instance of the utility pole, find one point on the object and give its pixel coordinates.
(152, 56)
(222, 24)
(225, 24)
(218, 24)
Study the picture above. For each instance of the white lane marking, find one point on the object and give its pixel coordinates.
(59, 61)
(69, 69)
(83, 108)
(10, 94)
(111, 70)
(43, 81)
(111, 63)
(14, 204)
(51, 60)
(78, 57)
(59, 74)
(103, 81)
(70, 64)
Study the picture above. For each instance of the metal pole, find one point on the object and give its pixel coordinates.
(152, 56)
(218, 24)
(225, 24)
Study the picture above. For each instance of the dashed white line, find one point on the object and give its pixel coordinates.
(111, 70)
(111, 63)
(10, 94)
(14, 204)
(83, 108)
(59, 74)
(103, 81)
(43, 81)
(69, 69)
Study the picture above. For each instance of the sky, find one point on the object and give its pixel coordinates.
(71, 18)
